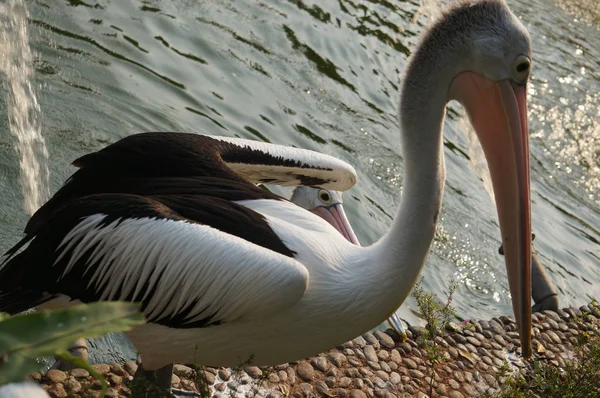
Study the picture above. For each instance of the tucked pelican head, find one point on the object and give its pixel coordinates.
(327, 204)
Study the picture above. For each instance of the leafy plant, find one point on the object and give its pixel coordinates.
(45, 333)
(438, 316)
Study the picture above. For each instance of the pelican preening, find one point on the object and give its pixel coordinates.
(227, 272)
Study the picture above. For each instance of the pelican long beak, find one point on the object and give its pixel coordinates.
(336, 216)
(498, 112)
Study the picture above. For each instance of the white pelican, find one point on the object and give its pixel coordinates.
(328, 205)
(228, 273)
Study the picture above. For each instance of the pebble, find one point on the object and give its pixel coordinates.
(101, 368)
(182, 370)
(57, 390)
(130, 367)
(453, 384)
(383, 355)
(384, 339)
(322, 387)
(357, 394)
(371, 340)
(337, 358)
(320, 363)
(345, 382)
(395, 356)
(306, 389)
(370, 353)
(410, 363)
(224, 374)
(416, 373)
(56, 376)
(305, 371)
(455, 394)
(395, 378)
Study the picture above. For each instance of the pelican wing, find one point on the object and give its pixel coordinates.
(179, 155)
(191, 261)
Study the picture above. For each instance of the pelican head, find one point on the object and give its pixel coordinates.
(485, 66)
(327, 204)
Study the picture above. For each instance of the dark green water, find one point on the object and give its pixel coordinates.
(323, 75)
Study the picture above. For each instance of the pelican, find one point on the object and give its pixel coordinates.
(228, 273)
(328, 205)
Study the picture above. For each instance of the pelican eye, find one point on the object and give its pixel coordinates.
(521, 67)
(324, 197)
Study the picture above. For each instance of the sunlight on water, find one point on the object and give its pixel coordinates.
(24, 114)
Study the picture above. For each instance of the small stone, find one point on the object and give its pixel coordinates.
(374, 365)
(474, 341)
(371, 340)
(175, 380)
(253, 371)
(337, 358)
(282, 375)
(306, 389)
(117, 369)
(305, 371)
(359, 353)
(320, 363)
(410, 363)
(441, 389)
(224, 374)
(357, 394)
(416, 373)
(56, 376)
(383, 355)
(273, 378)
(378, 382)
(79, 373)
(460, 376)
(453, 384)
(417, 331)
(57, 390)
(114, 379)
(111, 393)
(395, 356)
(370, 353)
(365, 372)
(384, 339)
(382, 375)
(359, 383)
(342, 393)
(181, 370)
(345, 382)
(322, 387)
(291, 373)
(395, 378)
(354, 362)
(553, 336)
(470, 390)
(333, 372)
(131, 367)
(360, 341)
(385, 367)
(352, 372)
(72, 385)
(455, 394)
(220, 387)
(35, 376)
(101, 368)
(460, 339)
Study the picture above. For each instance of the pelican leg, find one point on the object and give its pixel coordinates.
(156, 384)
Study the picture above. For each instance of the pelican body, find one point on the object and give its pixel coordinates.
(228, 273)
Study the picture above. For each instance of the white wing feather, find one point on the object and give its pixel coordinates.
(220, 275)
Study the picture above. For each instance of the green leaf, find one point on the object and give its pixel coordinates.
(46, 333)
(80, 363)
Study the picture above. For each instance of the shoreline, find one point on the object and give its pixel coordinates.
(375, 364)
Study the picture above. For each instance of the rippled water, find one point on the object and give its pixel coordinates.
(324, 76)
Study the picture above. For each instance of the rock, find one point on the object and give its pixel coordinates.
(57, 390)
(72, 385)
(455, 394)
(470, 390)
(273, 378)
(56, 376)
(209, 377)
(130, 367)
(370, 353)
(114, 379)
(359, 341)
(111, 393)
(220, 387)
(359, 353)
(181, 370)
(253, 371)
(354, 362)
(374, 365)
(383, 355)
(35, 376)
(359, 383)
(345, 382)
(365, 372)
(79, 373)
(306, 389)
(441, 389)
(224, 374)
(460, 339)
(474, 341)
(175, 380)
(357, 394)
(385, 367)
(283, 376)
(410, 363)
(342, 393)
(371, 340)
(305, 371)
(322, 387)
(117, 369)
(101, 368)
(384, 339)
(416, 373)
(337, 358)
(453, 384)
(320, 363)
(395, 356)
